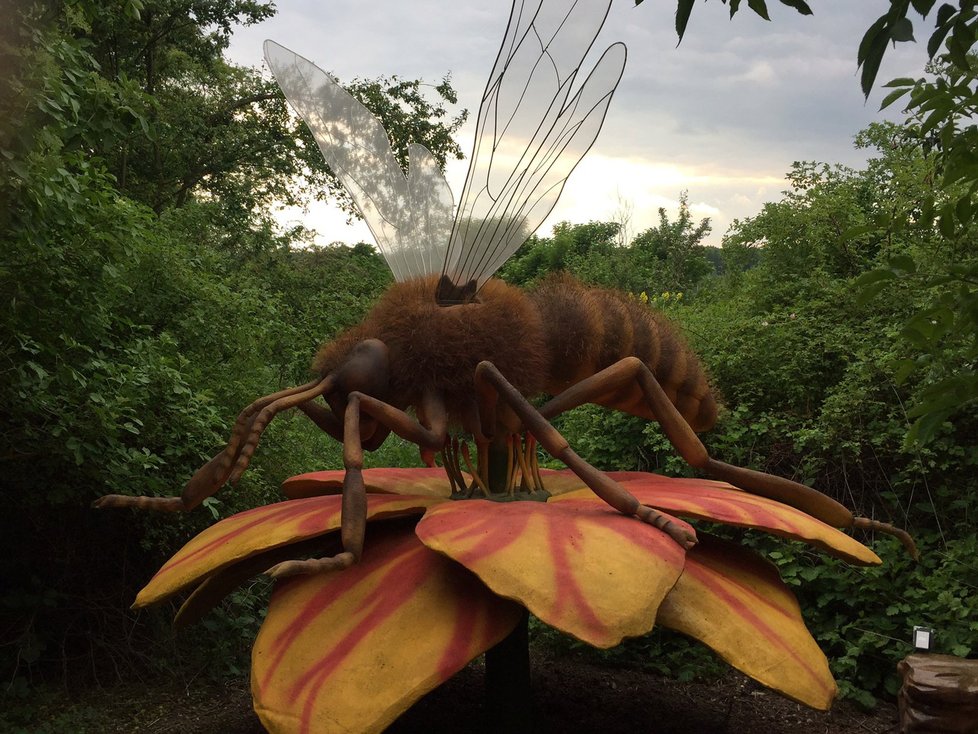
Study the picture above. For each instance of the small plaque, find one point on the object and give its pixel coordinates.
(922, 637)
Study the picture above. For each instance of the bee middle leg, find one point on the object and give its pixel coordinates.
(372, 434)
(353, 522)
(491, 387)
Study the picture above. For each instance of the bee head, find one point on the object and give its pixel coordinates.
(366, 369)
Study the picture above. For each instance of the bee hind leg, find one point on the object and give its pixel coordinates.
(621, 379)
(491, 386)
(613, 381)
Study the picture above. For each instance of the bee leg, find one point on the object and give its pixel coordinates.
(511, 448)
(473, 470)
(212, 475)
(261, 419)
(631, 371)
(324, 418)
(372, 434)
(353, 523)
(491, 386)
(452, 467)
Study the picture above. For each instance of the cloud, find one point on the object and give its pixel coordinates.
(723, 115)
(759, 72)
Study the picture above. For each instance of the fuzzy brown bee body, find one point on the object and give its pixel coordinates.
(543, 341)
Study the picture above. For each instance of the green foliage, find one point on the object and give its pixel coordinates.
(862, 617)
(573, 248)
(941, 125)
(146, 300)
(212, 129)
(815, 386)
(943, 330)
(668, 257)
(610, 439)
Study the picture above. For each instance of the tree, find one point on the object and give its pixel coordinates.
(667, 257)
(581, 249)
(217, 130)
(671, 256)
(941, 121)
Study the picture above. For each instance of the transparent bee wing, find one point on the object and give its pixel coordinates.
(409, 216)
(533, 129)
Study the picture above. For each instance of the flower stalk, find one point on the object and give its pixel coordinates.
(509, 705)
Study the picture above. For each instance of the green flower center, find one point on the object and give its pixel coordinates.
(505, 470)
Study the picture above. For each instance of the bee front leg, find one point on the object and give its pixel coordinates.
(231, 461)
(491, 386)
(353, 522)
(372, 434)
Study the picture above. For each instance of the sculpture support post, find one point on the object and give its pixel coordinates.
(509, 705)
(498, 462)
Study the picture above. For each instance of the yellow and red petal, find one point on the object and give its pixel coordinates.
(706, 499)
(350, 651)
(735, 602)
(580, 567)
(263, 528)
(423, 481)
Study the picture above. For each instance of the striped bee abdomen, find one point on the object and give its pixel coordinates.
(588, 329)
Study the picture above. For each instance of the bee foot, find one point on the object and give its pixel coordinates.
(311, 565)
(163, 504)
(681, 535)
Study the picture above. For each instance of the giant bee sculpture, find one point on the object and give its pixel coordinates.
(449, 350)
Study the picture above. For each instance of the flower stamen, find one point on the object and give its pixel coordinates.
(510, 467)
(476, 479)
(524, 468)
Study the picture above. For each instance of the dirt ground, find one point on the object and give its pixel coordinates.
(570, 695)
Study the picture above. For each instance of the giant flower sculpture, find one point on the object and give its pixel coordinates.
(442, 581)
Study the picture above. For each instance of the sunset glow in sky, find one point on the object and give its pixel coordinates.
(721, 116)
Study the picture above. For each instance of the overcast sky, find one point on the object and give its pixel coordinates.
(722, 116)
